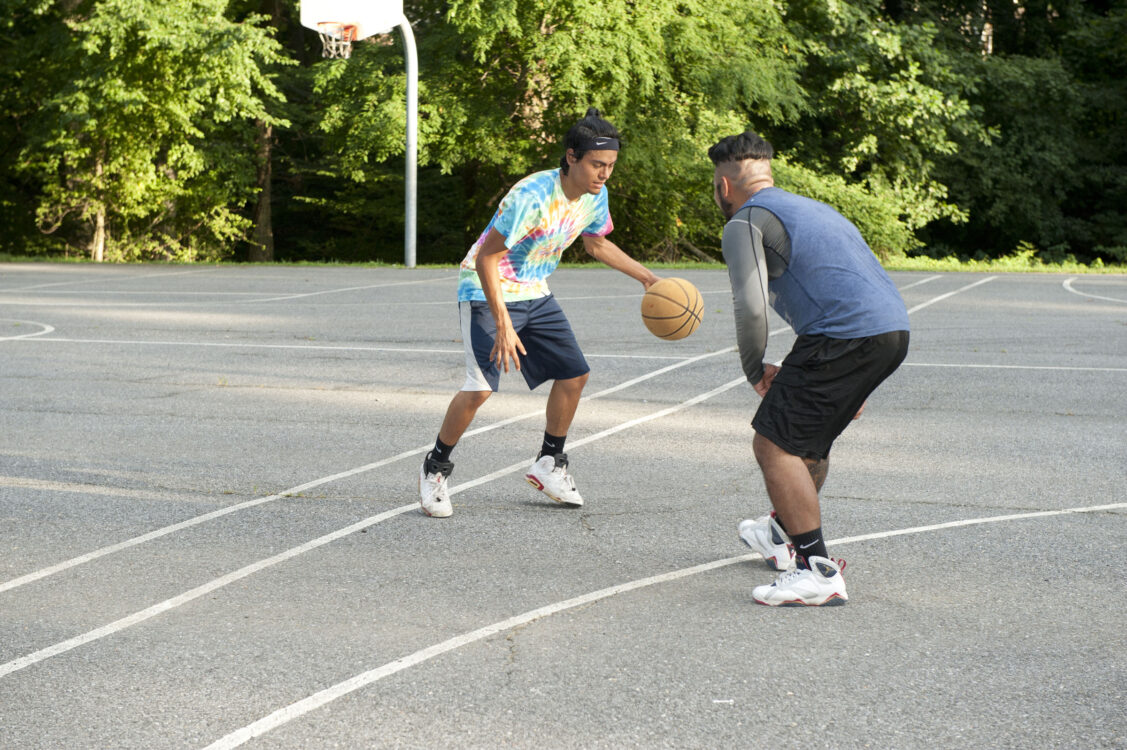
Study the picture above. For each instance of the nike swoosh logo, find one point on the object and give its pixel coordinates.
(806, 546)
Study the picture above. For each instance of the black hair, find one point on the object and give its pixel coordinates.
(746, 145)
(590, 127)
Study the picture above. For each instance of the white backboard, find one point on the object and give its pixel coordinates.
(369, 16)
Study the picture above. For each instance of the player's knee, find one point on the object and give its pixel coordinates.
(766, 452)
(575, 384)
(474, 399)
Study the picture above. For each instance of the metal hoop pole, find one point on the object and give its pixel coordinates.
(411, 153)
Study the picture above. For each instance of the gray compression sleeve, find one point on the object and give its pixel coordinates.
(747, 271)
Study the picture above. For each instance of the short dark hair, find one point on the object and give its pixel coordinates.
(590, 127)
(746, 145)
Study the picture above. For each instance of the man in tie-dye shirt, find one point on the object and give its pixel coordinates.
(509, 316)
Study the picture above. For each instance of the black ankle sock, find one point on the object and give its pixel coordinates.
(552, 445)
(809, 544)
(441, 452)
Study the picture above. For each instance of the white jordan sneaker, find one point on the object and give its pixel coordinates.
(822, 584)
(765, 536)
(549, 475)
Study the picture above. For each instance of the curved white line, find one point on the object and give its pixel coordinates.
(1068, 286)
(46, 329)
(323, 697)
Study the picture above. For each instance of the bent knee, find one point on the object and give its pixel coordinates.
(576, 383)
(765, 449)
(474, 399)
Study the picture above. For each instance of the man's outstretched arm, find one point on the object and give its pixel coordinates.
(605, 251)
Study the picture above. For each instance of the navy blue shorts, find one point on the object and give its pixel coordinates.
(552, 353)
(821, 385)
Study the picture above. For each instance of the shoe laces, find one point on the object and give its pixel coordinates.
(788, 576)
(561, 469)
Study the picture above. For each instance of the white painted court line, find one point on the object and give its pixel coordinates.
(364, 679)
(1069, 368)
(302, 347)
(166, 294)
(217, 583)
(122, 277)
(921, 282)
(45, 329)
(942, 297)
(351, 289)
(1068, 286)
(156, 609)
(197, 520)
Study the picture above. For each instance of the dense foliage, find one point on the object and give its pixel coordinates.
(209, 129)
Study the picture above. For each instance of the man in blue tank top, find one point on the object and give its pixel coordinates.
(811, 265)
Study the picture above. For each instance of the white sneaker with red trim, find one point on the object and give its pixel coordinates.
(549, 475)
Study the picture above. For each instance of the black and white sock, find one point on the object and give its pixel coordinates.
(441, 452)
(807, 545)
(553, 445)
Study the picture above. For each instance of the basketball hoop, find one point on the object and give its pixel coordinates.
(337, 39)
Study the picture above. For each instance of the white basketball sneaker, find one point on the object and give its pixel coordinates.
(822, 584)
(434, 494)
(549, 475)
(765, 536)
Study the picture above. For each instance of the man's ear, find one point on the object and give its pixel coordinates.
(724, 187)
(571, 156)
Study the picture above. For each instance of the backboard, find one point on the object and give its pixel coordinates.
(368, 16)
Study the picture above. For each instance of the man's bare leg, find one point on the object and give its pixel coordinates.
(563, 402)
(792, 484)
(460, 413)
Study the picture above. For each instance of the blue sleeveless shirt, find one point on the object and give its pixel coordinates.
(833, 285)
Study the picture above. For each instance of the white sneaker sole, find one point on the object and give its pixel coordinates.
(833, 600)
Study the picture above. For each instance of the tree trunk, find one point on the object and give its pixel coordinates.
(262, 246)
(98, 242)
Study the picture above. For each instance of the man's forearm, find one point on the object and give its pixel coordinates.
(605, 251)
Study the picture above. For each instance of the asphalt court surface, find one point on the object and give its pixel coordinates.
(209, 534)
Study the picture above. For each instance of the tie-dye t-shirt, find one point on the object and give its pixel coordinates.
(538, 223)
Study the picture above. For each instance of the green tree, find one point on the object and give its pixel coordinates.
(146, 149)
(858, 107)
(1049, 86)
(501, 83)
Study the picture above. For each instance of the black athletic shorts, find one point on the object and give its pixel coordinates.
(821, 385)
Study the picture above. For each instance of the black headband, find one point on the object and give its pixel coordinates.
(598, 143)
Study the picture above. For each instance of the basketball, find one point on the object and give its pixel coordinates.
(672, 309)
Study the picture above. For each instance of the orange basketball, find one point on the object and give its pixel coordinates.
(672, 309)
